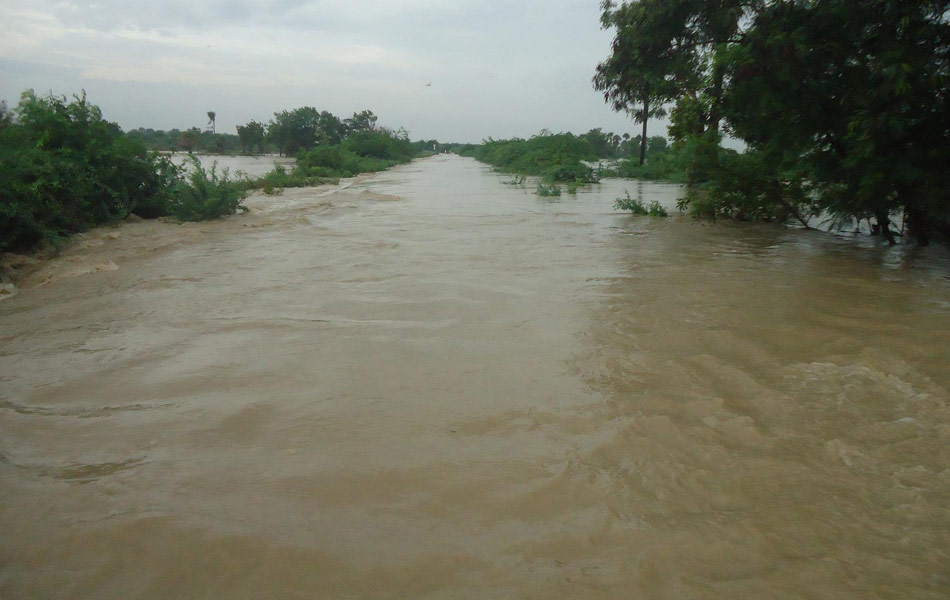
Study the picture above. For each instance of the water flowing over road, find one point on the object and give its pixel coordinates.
(434, 385)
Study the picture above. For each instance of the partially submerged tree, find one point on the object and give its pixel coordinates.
(190, 139)
(844, 104)
(251, 135)
(855, 94)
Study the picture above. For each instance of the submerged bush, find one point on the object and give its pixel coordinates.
(545, 190)
(275, 181)
(363, 152)
(636, 206)
(203, 194)
(555, 158)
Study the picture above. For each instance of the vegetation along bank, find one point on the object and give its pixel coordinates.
(64, 168)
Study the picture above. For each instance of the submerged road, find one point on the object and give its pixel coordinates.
(435, 385)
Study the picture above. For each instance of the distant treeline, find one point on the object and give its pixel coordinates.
(64, 168)
(289, 132)
(189, 140)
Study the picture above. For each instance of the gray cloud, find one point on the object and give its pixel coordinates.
(496, 68)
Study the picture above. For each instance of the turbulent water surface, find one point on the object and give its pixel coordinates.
(434, 385)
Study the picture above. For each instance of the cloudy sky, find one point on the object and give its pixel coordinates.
(497, 68)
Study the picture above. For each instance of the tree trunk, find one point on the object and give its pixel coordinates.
(884, 223)
(916, 222)
(643, 137)
(715, 111)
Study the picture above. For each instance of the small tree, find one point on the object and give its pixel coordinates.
(252, 135)
(190, 139)
(634, 77)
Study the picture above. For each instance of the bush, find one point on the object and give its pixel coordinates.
(545, 190)
(750, 186)
(365, 152)
(274, 182)
(65, 169)
(655, 209)
(555, 158)
(380, 144)
(203, 194)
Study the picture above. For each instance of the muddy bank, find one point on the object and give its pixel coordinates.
(108, 248)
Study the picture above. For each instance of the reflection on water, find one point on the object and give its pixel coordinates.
(432, 384)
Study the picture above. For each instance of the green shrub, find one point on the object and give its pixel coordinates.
(65, 169)
(203, 194)
(545, 190)
(364, 152)
(380, 144)
(555, 158)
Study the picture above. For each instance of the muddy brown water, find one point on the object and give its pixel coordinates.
(434, 385)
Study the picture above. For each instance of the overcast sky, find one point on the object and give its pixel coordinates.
(454, 70)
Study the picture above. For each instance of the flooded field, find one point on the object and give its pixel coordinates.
(252, 166)
(430, 384)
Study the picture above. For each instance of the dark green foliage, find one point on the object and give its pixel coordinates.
(381, 144)
(870, 121)
(190, 140)
(362, 152)
(361, 122)
(844, 104)
(750, 187)
(555, 158)
(303, 128)
(604, 144)
(65, 169)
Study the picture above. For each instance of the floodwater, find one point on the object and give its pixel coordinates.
(433, 385)
(252, 166)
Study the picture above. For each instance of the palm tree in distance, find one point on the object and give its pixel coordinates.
(211, 116)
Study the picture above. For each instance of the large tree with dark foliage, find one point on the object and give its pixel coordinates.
(846, 101)
(854, 94)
